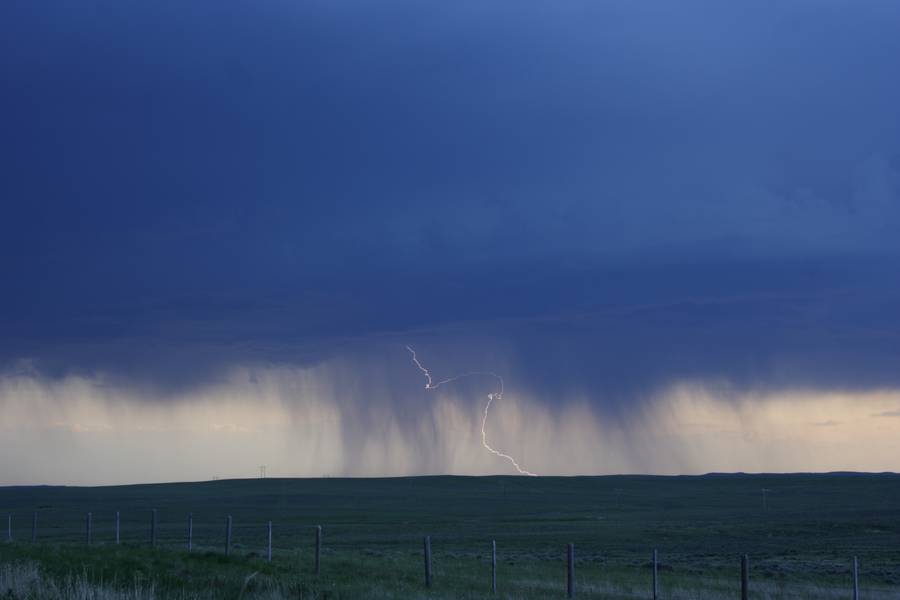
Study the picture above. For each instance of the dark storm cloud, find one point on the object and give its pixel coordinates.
(618, 195)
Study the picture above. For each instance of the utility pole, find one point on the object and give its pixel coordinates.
(765, 492)
(262, 471)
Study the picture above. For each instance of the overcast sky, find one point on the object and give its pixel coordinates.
(601, 200)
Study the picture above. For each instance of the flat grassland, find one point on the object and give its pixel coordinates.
(801, 541)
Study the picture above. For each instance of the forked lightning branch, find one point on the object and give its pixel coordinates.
(431, 385)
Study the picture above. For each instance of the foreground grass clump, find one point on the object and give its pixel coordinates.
(25, 581)
(60, 571)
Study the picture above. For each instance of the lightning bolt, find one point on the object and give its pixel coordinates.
(431, 385)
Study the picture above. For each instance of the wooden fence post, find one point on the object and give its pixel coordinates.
(427, 544)
(118, 527)
(493, 566)
(855, 578)
(190, 532)
(87, 526)
(34, 528)
(153, 527)
(318, 565)
(228, 522)
(655, 575)
(745, 577)
(570, 574)
(269, 554)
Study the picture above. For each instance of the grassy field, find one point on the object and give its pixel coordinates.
(800, 546)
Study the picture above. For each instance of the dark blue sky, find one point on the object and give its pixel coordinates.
(613, 195)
